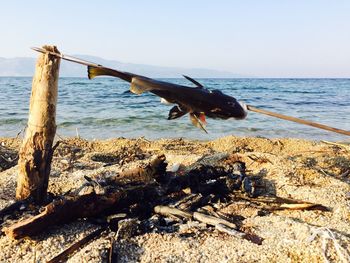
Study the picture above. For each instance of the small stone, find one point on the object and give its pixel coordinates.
(347, 196)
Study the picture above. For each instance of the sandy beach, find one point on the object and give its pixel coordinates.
(175, 131)
(316, 172)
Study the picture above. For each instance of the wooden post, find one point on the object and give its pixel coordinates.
(36, 152)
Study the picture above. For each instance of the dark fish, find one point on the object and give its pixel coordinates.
(197, 101)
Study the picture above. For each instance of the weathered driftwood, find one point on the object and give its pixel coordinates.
(301, 206)
(207, 219)
(273, 203)
(230, 231)
(68, 208)
(36, 151)
(212, 220)
(166, 211)
(134, 186)
(137, 196)
(191, 202)
(220, 224)
(71, 208)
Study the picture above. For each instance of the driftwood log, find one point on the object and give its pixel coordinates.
(36, 151)
(138, 190)
(69, 208)
(145, 186)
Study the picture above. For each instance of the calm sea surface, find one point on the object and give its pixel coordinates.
(101, 108)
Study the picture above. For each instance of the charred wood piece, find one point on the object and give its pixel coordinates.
(219, 180)
(69, 208)
(220, 224)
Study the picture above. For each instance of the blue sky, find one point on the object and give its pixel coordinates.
(263, 38)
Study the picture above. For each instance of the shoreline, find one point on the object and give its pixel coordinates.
(291, 168)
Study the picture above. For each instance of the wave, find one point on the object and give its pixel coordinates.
(13, 121)
(78, 84)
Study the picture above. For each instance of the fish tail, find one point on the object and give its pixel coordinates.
(102, 71)
(94, 72)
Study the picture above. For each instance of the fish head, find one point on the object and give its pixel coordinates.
(225, 107)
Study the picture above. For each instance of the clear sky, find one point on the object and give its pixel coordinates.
(263, 38)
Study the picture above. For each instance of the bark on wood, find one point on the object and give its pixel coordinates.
(36, 151)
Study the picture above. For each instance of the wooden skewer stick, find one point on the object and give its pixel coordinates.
(66, 57)
(301, 121)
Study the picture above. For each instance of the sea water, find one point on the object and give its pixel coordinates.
(103, 108)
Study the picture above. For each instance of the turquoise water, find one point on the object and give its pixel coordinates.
(101, 108)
